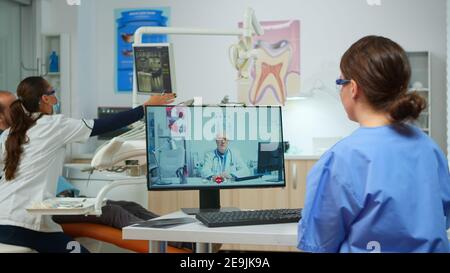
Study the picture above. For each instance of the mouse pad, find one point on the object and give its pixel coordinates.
(166, 223)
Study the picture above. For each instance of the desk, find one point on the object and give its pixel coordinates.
(278, 234)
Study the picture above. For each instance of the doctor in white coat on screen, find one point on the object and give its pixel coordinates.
(223, 161)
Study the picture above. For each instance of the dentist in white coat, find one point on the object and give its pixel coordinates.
(223, 161)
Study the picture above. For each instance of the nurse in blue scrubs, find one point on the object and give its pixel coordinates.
(386, 187)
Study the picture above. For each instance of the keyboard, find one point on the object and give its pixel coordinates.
(244, 178)
(248, 217)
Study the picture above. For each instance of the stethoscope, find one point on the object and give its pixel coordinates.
(222, 160)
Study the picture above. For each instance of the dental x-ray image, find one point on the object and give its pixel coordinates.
(154, 70)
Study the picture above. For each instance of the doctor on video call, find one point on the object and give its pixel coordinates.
(223, 161)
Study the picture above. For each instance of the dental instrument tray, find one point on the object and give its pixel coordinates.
(64, 206)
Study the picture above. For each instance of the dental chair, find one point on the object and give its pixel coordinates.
(99, 233)
(113, 236)
(129, 146)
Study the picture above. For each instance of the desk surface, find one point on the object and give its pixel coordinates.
(278, 234)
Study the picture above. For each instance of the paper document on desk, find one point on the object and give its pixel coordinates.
(166, 223)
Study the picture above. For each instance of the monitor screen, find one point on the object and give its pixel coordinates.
(154, 68)
(208, 148)
(103, 112)
(214, 147)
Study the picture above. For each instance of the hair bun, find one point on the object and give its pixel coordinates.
(407, 107)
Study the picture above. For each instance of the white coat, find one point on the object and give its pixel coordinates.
(37, 174)
(231, 163)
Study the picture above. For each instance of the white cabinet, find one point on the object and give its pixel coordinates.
(420, 62)
(60, 80)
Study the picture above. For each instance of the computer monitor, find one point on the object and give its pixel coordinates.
(154, 68)
(103, 112)
(209, 148)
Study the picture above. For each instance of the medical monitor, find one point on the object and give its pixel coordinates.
(154, 68)
(208, 148)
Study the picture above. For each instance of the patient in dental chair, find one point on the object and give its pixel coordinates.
(117, 214)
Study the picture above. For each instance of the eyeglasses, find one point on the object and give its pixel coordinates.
(51, 92)
(340, 83)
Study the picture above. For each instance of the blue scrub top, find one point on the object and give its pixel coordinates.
(382, 189)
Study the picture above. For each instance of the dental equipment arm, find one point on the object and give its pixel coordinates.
(117, 121)
(132, 143)
(126, 146)
(250, 28)
(242, 51)
(117, 151)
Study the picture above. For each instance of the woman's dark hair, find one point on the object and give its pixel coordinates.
(382, 70)
(29, 92)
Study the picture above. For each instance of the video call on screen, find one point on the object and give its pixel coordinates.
(197, 146)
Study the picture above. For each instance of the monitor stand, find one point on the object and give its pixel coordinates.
(209, 202)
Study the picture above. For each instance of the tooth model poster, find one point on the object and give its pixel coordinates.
(127, 22)
(275, 72)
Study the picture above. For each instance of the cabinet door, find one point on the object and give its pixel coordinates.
(292, 196)
(296, 173)
(164, 202)
(266, 198)
(10, 44)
